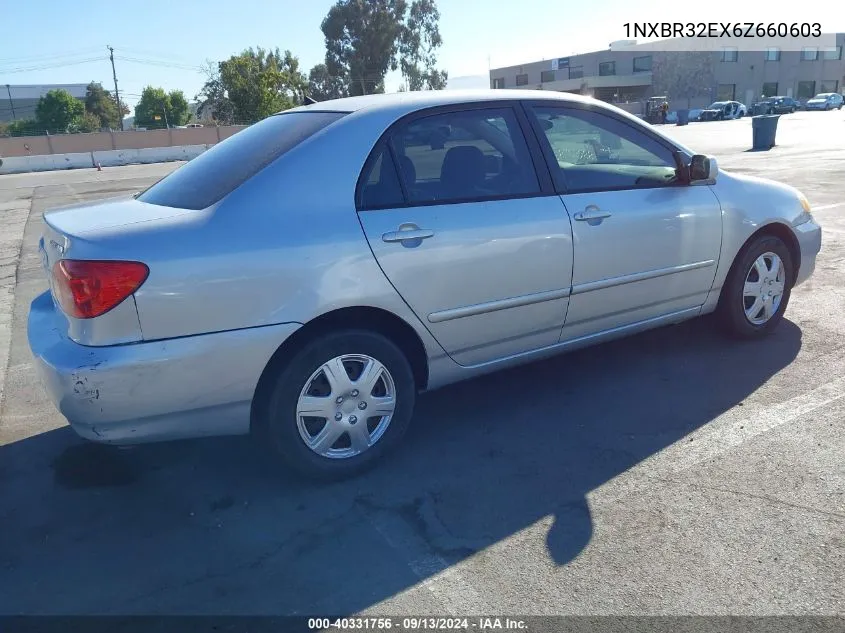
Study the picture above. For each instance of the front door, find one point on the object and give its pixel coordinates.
(456, 216)
(645, 245)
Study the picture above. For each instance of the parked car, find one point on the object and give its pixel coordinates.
(254, 291)
(194, 125)
(779, 105)
(825, 101)
(723, 110)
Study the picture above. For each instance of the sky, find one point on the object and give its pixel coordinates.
(164, 43)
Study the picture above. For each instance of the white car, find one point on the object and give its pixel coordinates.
(825, 101)
(723, 110)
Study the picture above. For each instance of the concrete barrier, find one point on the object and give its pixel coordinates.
(109, 158)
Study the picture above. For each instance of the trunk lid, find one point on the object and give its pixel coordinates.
(80, 220)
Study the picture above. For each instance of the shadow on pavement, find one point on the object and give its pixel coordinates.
(208, 527)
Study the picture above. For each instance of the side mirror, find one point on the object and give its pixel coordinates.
(703, 168)
(546, 124)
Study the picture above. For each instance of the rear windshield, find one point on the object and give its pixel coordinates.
(221, 169)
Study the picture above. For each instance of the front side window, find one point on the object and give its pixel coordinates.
(220, 170)
(464, 156)
(596, 152)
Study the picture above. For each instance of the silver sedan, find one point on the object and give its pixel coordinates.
(304, 279)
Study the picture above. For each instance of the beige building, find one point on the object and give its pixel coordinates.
(630, 74)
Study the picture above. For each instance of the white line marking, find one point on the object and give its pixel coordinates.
(449, 587)
(737, 426)
(822, 207)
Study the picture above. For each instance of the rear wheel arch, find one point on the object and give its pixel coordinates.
(367, 318)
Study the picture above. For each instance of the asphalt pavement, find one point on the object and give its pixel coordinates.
(674, 472)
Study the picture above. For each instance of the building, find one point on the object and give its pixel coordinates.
(19, 102)
(630, 73)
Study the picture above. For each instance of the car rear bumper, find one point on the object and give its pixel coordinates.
(810, 242)
(193, 386)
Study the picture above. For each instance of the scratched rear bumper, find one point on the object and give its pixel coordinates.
(152, 391)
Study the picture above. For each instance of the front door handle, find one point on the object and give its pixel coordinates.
(407, 233)
(592, 212)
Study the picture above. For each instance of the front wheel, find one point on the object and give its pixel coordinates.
(339, 405)
(757, 290)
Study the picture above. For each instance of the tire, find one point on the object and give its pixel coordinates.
(279, 425)
(733, 304)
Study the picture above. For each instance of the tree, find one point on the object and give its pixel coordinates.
(86, 122)
(683, 74)
(367, 38)
(179, 112)
(171, 109)
(56, 110)
(253, 85)
(323, 86)
(100, 103)
(23, 127)
(419, 41)
(362, 39)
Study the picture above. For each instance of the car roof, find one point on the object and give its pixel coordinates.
(411, 101)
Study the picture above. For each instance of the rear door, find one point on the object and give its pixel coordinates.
(469, 231)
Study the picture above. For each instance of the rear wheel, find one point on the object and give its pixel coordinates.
(339, 405)
(757, 289)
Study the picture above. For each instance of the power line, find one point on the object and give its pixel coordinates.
(25, 59)
(10, 71)
(153, 62)
(135, 52)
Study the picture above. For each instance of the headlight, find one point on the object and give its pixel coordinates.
(806, 216)
(805, 204)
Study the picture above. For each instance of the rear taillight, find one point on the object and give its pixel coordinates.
(87, 289)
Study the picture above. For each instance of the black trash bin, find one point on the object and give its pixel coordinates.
(683, 117)
(764, 128)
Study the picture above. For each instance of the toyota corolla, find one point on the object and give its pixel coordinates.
(304, 279)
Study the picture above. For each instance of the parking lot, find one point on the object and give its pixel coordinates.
(673, 472)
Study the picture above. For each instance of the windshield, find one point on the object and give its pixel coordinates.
(717, 105)
(824, 95)
(220, 170)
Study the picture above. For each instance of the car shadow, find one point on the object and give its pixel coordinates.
(208, 527)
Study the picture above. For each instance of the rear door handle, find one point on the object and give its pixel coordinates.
(592, 212)
(404, 235)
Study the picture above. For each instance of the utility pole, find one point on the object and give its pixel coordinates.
(116, 94)
(11, 103)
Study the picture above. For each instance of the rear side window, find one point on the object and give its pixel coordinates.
(381, 189)
(220, 170)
